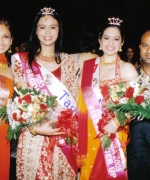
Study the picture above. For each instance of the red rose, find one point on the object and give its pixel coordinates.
(139, 99)
(43, 107)
(20, 100)
(14, 116)
(129, 93)
(27, 98)
(21, 120)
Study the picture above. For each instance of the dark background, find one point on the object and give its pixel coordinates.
(78, 15)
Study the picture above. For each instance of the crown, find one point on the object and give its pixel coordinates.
(46, 11)
(115, 21)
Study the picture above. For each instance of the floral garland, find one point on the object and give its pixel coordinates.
(68, 122)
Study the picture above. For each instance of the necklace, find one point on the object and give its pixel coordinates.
(3, 62)
(106, 63)
(46, 58)
(146, 72)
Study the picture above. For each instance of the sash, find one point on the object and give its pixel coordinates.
(41, 79)
(113, 156)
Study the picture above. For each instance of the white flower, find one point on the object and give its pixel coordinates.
(134, 84)
(33, 107)
(123, 100)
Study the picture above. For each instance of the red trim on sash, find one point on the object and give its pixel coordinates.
(102, 167)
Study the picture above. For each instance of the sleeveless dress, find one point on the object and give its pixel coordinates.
(38, 157)
(99, 172)
(6, 91)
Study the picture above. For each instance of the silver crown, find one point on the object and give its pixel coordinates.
(115, 21)
(47, 11)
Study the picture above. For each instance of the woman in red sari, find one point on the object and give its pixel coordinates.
(98, 74)
(40, 154)
(6, 91)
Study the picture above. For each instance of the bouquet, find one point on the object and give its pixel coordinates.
(67, 120)
(126, 102)
(132, 100)
(27, 107)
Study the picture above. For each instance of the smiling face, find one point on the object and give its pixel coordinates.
(47, 31)
(145, 47)
(5, 38)
(130, 53)
(111, 40)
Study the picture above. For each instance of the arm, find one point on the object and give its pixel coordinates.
(45, 127)
(129, 73)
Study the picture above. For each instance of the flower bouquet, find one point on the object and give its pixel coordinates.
(67, 120)
(126, 102)
(133, 102)
(27, 107)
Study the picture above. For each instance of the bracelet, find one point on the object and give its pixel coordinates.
(31, 129)
(116, 122)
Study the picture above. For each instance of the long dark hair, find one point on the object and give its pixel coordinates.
(34, 46)
(135, 55)
(88, 42)
(5, 22)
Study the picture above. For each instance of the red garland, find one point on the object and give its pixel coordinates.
(68, 123)
(106, 117)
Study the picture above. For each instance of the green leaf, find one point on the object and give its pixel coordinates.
(120, 94)
(105, 142)
(14, 133)
(3, 113)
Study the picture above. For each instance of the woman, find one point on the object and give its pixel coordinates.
(131, 56)
(53, 73)
(98, 75)
(6, 86)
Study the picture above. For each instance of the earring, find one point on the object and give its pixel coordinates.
(120, 50)
(100, 48)
(10, 51)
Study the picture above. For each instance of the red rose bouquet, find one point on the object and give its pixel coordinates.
(126, 101)
(27, 107)
(132, 100)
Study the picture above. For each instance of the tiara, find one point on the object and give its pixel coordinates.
(115, 21)
(46, 11)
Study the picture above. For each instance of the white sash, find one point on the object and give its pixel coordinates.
(55, 87)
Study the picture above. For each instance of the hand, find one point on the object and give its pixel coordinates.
(110, 128)
(45, 128)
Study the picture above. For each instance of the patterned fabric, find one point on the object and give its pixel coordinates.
(117, 78)
(104, 85)
(6, 91)
(93, 144)
(38, 157)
